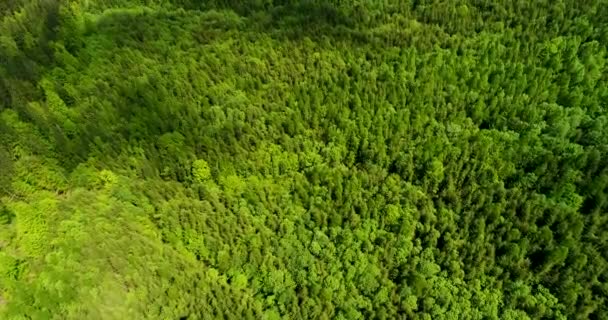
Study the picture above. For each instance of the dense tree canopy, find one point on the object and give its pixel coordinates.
(273, 159)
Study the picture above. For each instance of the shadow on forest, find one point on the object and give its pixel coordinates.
(138, 28)
(302, 18)
(292, 21)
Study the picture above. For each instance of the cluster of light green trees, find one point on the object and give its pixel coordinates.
(303, 159)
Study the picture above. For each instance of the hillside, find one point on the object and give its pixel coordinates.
(274, 159)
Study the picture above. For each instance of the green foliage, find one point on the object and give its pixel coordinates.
(303, 159)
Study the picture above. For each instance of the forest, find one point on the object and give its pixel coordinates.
(304, 159)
